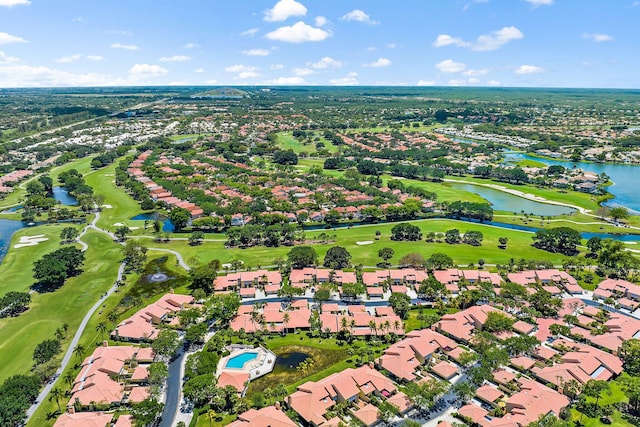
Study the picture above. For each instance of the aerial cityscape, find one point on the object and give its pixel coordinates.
(283, 213)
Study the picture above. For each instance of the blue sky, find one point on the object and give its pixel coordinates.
(543, 43)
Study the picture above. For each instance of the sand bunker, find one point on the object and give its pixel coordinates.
(30, 240)
(118, 224)
(366, 242)
(106, 207)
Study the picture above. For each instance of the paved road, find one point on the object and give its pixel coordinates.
(173, 391)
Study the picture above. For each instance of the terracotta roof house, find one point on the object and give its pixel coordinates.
(445, 370)
(142, 325)
(489, 394)
(84, 419)
(581, 363)
(368, 415)
(95, 381)
(461, 325)
(265, 417)
(312, 399)
(247, 279)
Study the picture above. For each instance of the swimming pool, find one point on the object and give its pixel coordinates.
(237, 362)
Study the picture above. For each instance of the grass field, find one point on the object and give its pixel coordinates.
(49, 311)
(519, 245)
(123, 206)
(16, 268)
(286, 141)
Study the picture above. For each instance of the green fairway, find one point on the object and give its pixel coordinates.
(49, 311)
(16, 268)
(122, 205)
(286, 141)
(519, 245)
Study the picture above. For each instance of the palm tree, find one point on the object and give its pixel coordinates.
(79, 350)
(112, 317)
(102, 328)
(65, 328)
(69, 378)
(211, 414)
(374, 328)
(56, 394)
(285, 321)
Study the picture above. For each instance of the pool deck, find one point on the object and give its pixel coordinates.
(261, 365)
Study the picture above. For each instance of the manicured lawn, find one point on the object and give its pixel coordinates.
(220, 420)
(444, 190)
(16, 269)
(519, 245)
(286, 141)
(527, 163)
(412, 323)
(49, 311)
(122, 205)
(612, 395)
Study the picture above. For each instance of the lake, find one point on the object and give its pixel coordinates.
(7, 230)
(502, 201)
(62, 195)
(167, 225)
(624, 177)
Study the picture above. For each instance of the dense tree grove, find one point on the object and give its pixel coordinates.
(55, 267)
(14, 303)
(337, 257)
(562, 240)
(406, 231)
(18, 393)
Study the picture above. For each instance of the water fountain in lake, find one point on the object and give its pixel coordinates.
(157, 277)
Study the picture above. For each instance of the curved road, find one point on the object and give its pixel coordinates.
(76, 338)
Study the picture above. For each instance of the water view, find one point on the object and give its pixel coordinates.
(624, 177)
(502, 201)
(167, 225)
(62, 195)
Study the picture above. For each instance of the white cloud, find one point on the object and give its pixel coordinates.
(257, 52)
(450, 66)
(124, 46)
(446, 40)
(321, 21)
(381, 62)
(6, 59)
(285, 9)
(303, 71)
(243, 71)
(147, 70)
(494, 83)
(371, 49)
(426, 82)
(326, 62)
(239, 68)
(6, 38)
(286, 81)
(95, 58)
(190, 45)
(358, 16)
(199, 70)
(10, 3)
(248, 75)
(277, 66)
(69, 58)
(78, 19)
(529, 69)
(175, 58)
(491, 41)
(597, 37)
(211, 82)
(32, 76)
(349, 80)
(536, 3)
(250, 32)
(298, 33)
(391, 45)
(480, 72)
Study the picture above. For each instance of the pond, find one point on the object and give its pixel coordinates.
(624, 177)
(502, 201)
(7, 230)
(167, 225)
(289, 361)
(62, 195)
